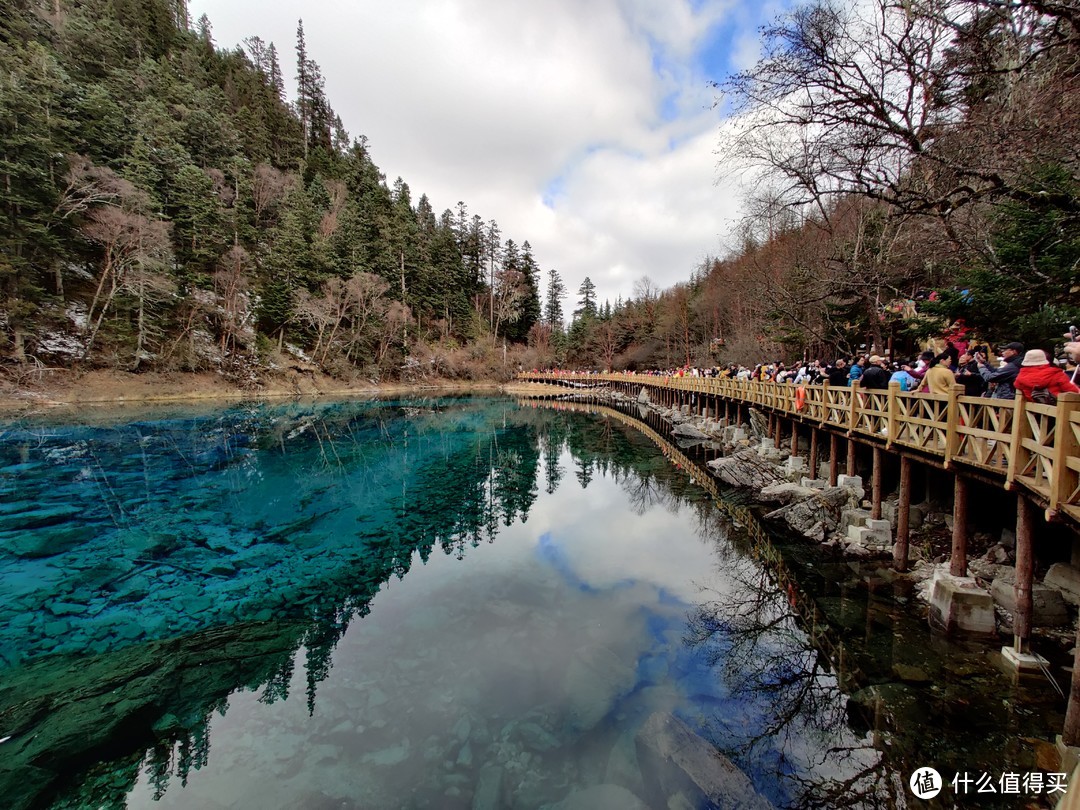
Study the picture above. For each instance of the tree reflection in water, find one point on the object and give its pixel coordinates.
(753, 637)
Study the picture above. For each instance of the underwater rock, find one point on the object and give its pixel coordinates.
(594, 681)
(675, 760)
(488, 795)
(601, 797)
(537, 737)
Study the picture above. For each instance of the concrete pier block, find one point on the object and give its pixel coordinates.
(959, 605)
(813, 483)
(1023, 662)
(796, 464)
(852, 482)
(853, 517)
(875, 535)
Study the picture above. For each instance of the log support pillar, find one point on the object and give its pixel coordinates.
(849, 469)
(834, 459)
(875, 484)
(1025, 569)
(958, 559)
(813, 452)
(794, 438)
(903, 517)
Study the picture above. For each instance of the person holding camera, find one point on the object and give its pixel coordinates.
(1000, 380)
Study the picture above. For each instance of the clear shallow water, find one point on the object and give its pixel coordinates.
(441, 603)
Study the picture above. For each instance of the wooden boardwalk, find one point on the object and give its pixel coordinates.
(1010, 442)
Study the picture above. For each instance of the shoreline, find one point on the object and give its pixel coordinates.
(68, 389)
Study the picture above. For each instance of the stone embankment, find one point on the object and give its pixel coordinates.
(840, 517)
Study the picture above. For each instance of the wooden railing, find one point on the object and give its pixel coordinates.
(1025, 444)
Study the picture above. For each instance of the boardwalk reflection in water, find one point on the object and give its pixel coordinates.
(522, 670)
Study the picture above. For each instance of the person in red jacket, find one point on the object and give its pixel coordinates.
(1036, 372)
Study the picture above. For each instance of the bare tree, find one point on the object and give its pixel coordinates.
(268, 187)
(510, 293)
(129, 241)
(876, 99)
(231, 282)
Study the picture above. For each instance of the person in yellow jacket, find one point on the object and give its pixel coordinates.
(939, 379)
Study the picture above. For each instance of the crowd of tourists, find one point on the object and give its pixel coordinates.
(1033, 372)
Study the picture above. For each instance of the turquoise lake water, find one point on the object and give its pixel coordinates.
(439, 603)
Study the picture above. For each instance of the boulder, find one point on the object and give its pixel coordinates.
(816, 515)
(1048, 608)
(1066, 579)
(688, 431)
(675, 760)
(746, 469)
(785, 493)
(759, 425)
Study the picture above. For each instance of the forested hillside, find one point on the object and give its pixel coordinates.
(165, 205)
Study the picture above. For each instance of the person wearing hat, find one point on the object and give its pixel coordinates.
(1036, 371)
(875, 376)
(1001, 379)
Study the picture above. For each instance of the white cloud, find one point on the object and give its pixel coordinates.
(499, 103)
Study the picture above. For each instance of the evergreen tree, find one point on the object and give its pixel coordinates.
(586, 300)
(556, 291)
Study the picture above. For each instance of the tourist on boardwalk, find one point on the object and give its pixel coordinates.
(967, 374)
(1072, 352)
(876, 376)
(938, 379)
(837, 373)
(918, 371)
(1001, 380)
(856, 371)
(903, 376)
(1038, 374)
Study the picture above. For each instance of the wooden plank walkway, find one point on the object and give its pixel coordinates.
(1010, 442)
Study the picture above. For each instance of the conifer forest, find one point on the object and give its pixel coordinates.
(169, 204)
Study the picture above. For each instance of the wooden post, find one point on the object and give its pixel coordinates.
(813, 452)
(958, 560)
(834, 458)
(893, 409)
(875, 485)
(778, 432)
(853, 413)
(1025, 567)
(850, 468)
(1064, 481)
(952, 421)
(794, 438)
(903, 516)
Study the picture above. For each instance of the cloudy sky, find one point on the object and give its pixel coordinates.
(587, 127)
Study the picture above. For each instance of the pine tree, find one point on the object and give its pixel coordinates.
(586, 300)
(556, 291)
